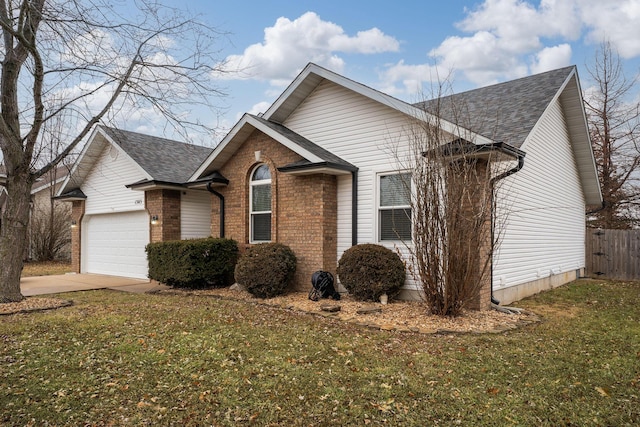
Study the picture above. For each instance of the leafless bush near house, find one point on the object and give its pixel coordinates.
(451, 189)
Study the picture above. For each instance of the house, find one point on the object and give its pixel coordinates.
(48, 229)
(310, 171)
(126, 191)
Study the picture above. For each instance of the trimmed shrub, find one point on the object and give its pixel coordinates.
(196, 263)
(367, 271)
(266, 270)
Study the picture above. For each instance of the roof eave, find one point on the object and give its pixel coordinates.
(317, 168)
(494, 151)
(71, 196)
(155, 185)
(214, 180)
(578, 127)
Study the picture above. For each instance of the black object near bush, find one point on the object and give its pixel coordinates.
(368, 271)
(266, 270)
(197, 263)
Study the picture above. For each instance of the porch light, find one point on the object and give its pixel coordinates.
(154, 219)
(74, 224)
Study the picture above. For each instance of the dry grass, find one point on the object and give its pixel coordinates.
(114, 358)
(46, 268)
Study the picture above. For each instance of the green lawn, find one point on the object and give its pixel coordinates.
(123, 359)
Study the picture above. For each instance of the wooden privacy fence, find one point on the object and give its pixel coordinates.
(613, 254)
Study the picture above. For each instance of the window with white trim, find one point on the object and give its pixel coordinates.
(260, 205)
(394, 207)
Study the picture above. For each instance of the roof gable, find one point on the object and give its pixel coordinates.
(158, 159)
(163, 159)
(313, 153)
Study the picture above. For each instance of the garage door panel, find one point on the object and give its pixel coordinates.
(114, 244)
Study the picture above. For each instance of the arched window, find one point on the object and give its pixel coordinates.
(260, 206)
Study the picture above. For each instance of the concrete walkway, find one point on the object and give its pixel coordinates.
(42, 285)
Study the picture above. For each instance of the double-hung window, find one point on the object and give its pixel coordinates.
(260, 204)
(394, 207)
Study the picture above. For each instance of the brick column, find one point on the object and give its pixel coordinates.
(329, 223)
(165, 204)
(77, 213)
(481, 197)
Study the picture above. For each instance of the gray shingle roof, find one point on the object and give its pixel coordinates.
(164, 159)
(505, 112)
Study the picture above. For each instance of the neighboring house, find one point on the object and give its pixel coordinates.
(309, 171)
(125, 192)
(48, 219)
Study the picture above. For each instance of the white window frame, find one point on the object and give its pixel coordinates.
(380, 208)
(252, 184)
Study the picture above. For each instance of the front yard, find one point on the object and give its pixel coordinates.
(122, 359)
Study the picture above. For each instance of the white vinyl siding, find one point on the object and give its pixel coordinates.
(362, 132)
(543, 209)
(105, 184)
(344, 213)
(195, 214)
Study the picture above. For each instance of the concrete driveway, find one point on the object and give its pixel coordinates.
(41, 285)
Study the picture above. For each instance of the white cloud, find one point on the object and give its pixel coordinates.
(615, 20)
(411, 78)
(551, 58)
(260, 107)
(506, 39)
(522, 23)
(507, 32)
(289, 45)
(484, 58)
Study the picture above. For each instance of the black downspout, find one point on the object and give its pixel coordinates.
(493, 181)
(354, 208)
(221, 197)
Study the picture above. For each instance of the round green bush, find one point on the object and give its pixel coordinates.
(266, 270)
(368, 271)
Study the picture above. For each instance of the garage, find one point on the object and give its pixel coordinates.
(114, 244)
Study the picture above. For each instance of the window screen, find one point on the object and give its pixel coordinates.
(394, 210)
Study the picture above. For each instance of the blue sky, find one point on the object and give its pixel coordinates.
(398, 47)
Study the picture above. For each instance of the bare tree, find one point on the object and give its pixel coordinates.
(453, 211)
(614, 125)
(88, 60)
(49, 232)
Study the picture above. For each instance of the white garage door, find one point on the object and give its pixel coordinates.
(114, 244)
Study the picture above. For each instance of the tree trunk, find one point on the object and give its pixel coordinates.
(13, 236)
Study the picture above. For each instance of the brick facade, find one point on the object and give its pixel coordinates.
(165, 204)
(303, 208)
